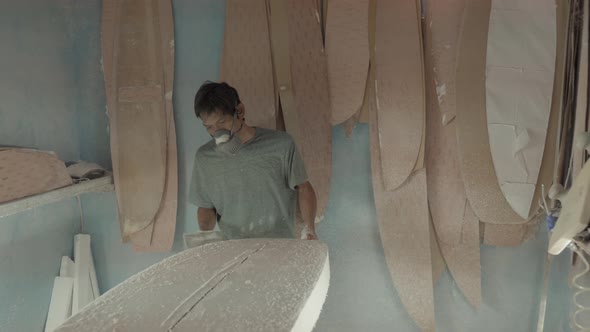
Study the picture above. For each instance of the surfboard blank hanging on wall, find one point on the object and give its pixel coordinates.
(520, 64)
(302, 81)
(457, 228)
(347, 52)
(399, 86)
(138, 60)
(443, 25)
(238, 285)
(246, 60)
(477, 165)
(396, 121)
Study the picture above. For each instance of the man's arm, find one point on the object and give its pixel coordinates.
(207, 218)
(308, 206)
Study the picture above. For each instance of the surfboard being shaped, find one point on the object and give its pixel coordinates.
(237, 285)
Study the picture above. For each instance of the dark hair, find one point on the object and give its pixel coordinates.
(213, 96)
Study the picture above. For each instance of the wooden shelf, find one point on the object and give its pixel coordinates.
(103, 184)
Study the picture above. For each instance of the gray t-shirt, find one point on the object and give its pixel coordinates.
(252, 190)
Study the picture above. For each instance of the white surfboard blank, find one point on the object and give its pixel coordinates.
(245, 285)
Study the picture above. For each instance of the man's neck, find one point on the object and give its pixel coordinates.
(246, 134)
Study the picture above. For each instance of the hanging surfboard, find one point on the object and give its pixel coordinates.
(443, 22)
(246, 60)
(477, 166)
(520, 66)
(511, 235)
(347, 53)
(159, 235)
(135, 85)
(396, 122)
(404, 227)
(399, 81)
(301, 78)
(457, 229)
(403, 218)
(238, 285)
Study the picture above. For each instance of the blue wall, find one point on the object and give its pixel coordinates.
(56, 45)
(51, 98)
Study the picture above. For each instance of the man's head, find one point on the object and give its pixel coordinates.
(219, 107)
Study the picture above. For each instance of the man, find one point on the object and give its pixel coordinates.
(247, 179)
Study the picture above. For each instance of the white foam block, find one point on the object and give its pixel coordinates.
(68, 268)
(237, 285)
(82, 285)
(60, 307)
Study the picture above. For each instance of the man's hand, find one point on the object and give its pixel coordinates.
(311, 237)
(207, 218)
(308, 234)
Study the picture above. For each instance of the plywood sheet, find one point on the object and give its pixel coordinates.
(159, 235)
(309, 120)
(224, 286)
(132, 44)
(347, 53)
(399, 88)
(443, 19)
(246, 60)
(404, 228)
(26, 172)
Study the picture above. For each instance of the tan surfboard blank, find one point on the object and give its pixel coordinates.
(304, 95)
(477, 168)
(246, 60)
(483, 191)
(159, 235)
(362, 116)
(443, 21)
(509, 235)
(351, 123)
(347, 53)
(438, 262)
(399, 88)
(520, 68)
(514, 235)
(404, 227)
(25, 172)
(457, 229)
(137, 113)
(463, 257)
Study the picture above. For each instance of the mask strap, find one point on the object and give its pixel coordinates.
(231, 134)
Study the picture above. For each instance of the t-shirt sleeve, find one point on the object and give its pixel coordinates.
(197, 193)
(295, 168)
